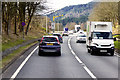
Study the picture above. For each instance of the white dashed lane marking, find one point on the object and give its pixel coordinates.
(80, 61)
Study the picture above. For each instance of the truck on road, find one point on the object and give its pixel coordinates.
(99, 38)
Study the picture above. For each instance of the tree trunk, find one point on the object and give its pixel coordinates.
(15, 26)
(31, 12)
(22, 14)
(8, 5)
(28, 26)
(15, 19)
(119, 13)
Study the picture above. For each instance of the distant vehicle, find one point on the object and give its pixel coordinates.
(80, 38)
(77, 28)
(81, 32)
(71, 31)
(99, 38)
(59, 37)
(65, 33)
(49, 44)
(74, 31)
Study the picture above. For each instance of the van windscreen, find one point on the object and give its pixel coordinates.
(102, 35)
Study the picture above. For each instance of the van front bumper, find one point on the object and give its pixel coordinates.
(103, 50)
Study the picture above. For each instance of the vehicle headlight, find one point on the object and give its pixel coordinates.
(112, 47)
(96, 44)
(112, 44)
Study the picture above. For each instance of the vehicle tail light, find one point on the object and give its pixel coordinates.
(41, 40)
(58, 41)
(60, 37)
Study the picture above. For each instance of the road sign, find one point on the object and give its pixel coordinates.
(52, 25)
(23, 23)
(66, 29)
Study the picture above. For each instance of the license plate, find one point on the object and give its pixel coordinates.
(103, 50)
(49, 43)
(49, 51)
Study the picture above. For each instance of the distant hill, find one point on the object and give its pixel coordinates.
(73, 13)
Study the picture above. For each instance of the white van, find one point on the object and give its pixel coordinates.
(99, 38)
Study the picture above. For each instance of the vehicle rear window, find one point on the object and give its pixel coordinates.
(50, 39)
(81, 35)
(56, 35)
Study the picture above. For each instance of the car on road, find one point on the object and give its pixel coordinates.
(49, 44)
(65, 33)
(80, 32)
(80, 38)
(59, 37)
(71, 31)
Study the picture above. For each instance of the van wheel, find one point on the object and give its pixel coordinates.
(112, 54)
(92, 52)
(88, 50)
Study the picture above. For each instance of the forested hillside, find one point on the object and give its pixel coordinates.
(75, 13)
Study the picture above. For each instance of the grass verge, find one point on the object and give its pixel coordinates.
(117, 44)
(12, 43)
(6, 60)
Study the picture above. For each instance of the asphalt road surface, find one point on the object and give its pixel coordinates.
(74, 62)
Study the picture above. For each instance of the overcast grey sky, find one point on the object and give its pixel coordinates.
(58, 4)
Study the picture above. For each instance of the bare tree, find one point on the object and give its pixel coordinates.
(18, 12)
(32, 7)
(7, 9)
(105, 11)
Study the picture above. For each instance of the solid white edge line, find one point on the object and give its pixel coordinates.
(90, 73)
(79, 60)
(23, 63)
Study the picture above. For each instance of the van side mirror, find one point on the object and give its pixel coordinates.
(90, 38)
(114, 39)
